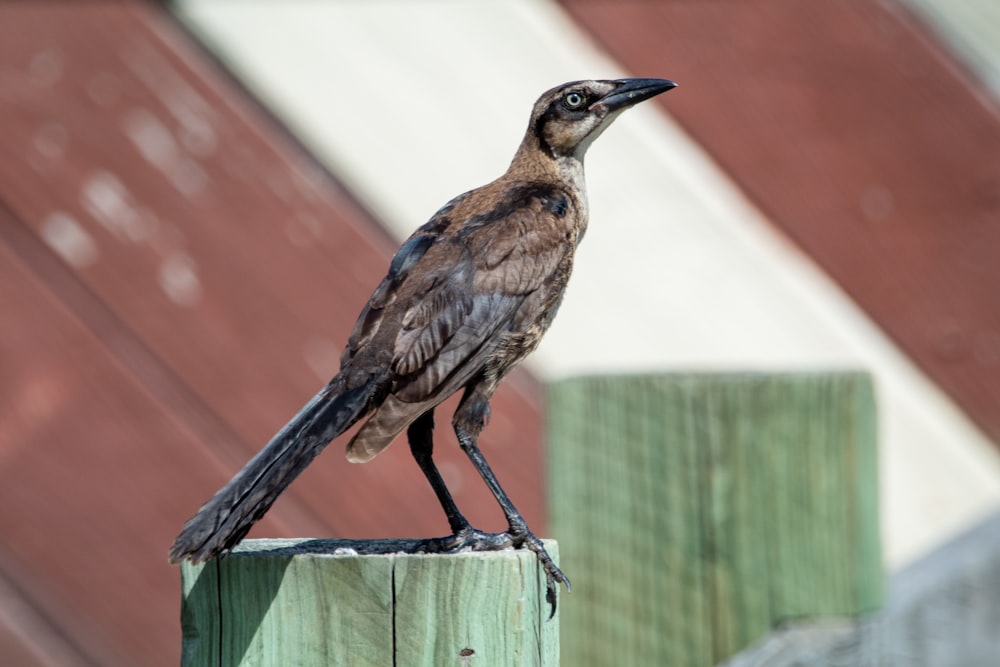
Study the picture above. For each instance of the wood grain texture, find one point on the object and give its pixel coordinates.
(696, 512)
(863, 140)
(342, 602)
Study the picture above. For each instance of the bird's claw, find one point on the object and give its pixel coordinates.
(553, 575)
(470, 539)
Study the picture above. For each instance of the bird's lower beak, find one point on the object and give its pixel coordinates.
(632, 91)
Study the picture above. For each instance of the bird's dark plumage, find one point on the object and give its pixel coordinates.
(466, 298)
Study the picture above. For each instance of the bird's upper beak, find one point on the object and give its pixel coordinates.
(632, 91)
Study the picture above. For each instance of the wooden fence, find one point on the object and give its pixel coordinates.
(695, 513)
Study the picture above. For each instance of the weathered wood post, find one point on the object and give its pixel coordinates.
(697, 512)
(340, 602)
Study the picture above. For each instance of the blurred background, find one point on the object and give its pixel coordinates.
(197, 197)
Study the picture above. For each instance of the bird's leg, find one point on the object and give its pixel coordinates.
(469, 420)
(421, 437)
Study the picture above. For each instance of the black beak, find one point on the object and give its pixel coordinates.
(632, 91)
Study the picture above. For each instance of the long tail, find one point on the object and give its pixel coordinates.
(223, 521)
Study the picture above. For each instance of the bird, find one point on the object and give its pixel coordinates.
(466, 298)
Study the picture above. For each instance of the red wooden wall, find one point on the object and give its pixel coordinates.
(176, 279)
(863, 140)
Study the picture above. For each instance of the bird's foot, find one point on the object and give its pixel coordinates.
(553, 575)
(471, 539)
(467, 539)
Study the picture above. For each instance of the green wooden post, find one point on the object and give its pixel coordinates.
(697, 512)
(318, 602)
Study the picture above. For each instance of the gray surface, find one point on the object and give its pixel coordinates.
(943, 611)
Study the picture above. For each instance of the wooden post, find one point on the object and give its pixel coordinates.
(697, 512)
(342, 602)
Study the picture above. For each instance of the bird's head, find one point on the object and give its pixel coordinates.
(567, 119)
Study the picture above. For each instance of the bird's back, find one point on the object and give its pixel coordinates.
(467, 296)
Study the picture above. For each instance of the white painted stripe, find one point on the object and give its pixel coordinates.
(411, 103)
(971, 29)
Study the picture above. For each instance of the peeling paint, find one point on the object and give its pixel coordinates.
(197, 136)
(158, 146)
(188, 177)
(152, 138)
(51, 140)
(46, 68)
(178, 279)
(64, 234)
(107, 199)
(41, 396)
(194, 114)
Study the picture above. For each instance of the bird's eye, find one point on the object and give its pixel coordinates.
(574, 100)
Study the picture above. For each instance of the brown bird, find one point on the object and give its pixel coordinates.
(466, 298)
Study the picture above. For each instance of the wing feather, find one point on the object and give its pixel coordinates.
(454, 292)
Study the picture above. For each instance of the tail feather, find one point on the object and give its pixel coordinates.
(223, 521)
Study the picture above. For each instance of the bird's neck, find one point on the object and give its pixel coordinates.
(532, 163)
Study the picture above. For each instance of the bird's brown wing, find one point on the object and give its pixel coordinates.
(471, 295)
(455, 308)
(388, 292)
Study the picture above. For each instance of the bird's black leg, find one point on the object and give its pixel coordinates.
(469, 420)
(421, 437)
